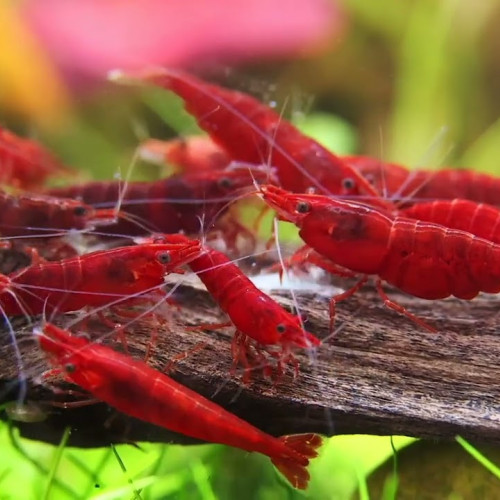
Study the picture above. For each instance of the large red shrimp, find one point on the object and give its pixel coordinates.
(423, 259)
(252, 132)
(134, 388)
(398, 182)
(26, 164)
(254, 314)
(94, 279)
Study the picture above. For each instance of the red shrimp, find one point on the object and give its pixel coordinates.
(479, 219)
(135, 389)
(36, 214)
(186, 154)
(94, 279)
(448, 183)
(423, 259)
(252, 132)
(254, 314)
(177, 203)
(25, 163)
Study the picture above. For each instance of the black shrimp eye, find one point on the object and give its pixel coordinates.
(80, 211)
(163, 257)
(70, 368)
(281, 328)
(303, 207)
(225, 183)
(348, 183)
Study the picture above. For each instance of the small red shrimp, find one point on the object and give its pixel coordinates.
(397, 182)
(94, 279)
(196, 153)
(252, 132)
(135, 389)
(177, 203)
(423, 259)
(254, 314)
(26, 164)
(37, 214)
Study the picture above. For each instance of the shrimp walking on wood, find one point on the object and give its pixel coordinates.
(134, 388)
(398, 182)
(25, 163)
(254, 314)
(423, 259)
(252, 132)
(94, 279)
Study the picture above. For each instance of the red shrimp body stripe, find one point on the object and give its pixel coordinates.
(90, 280)
(136, 389)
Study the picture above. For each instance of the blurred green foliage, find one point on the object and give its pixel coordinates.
(414, 81)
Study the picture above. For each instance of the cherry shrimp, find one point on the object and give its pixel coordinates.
(135, 389)
(423, 259)
(176, 203)
(400, 183)
(247, 129)
(25, 163)
(37, 214)
(254, 314)
(196, 153)
(93, 279)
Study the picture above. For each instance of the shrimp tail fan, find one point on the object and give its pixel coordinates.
(293, 468)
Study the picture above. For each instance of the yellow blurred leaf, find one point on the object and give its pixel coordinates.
(29, 84)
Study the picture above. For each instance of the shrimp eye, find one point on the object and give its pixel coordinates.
(163, 257)
(80, 211)
(281, 328)
(225, 183)
(303, 207)
(70, 368)
(348, 183)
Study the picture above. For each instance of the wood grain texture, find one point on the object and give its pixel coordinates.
(380, 374)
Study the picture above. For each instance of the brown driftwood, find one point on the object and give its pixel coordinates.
(381, 374)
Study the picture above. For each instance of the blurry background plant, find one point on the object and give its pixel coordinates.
(414, 81)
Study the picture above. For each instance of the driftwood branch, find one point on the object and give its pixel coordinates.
(380, 374)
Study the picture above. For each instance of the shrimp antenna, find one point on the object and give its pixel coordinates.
(285, 271)
(23, 386)
(124, 187)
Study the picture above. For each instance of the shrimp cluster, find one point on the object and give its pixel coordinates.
(358, 218)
